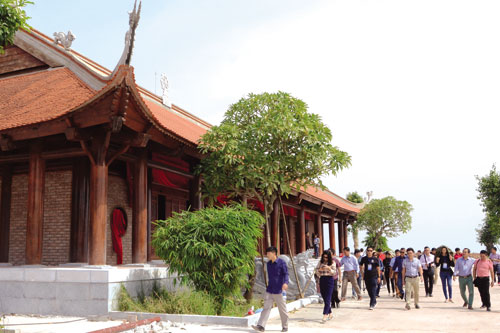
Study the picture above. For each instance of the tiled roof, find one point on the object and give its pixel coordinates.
(175, 123)
(38, 97)
(333, 199)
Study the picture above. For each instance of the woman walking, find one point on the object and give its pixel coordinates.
(326, 270)
(316, 244)
(387, 273)
(445, 260)
(483, 269)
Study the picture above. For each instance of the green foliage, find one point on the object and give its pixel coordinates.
(489, 195)
(382, 242)
(354, 197)
(212, 249)
(12, 18)
(267, 145)
(182, 302)
(385, 217)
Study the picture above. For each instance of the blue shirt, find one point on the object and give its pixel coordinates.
(350, 263)
(398, 264)
(464, 267)
(278, 276)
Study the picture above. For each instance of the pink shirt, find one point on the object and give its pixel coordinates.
(483, 267)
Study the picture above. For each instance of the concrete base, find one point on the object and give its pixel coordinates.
(215, 320)
(74, 291)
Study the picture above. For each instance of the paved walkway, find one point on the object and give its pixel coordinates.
(353, 316)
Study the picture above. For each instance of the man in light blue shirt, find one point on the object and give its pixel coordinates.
(351, 269)
(412, 268)
(463, 269)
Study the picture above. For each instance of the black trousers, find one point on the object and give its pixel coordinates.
(335, 294)
(428, 281)
(371, 286)
(390, 282)
(483, 285)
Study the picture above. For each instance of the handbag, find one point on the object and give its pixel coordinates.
(476, 282)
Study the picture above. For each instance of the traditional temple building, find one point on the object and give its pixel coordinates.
(88, 159)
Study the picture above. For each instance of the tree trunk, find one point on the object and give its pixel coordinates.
(268, 227)
(355, 237)
(289, 248)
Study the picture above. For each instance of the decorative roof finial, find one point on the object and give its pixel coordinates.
(133, 21)
(164, 89)
(65, 39)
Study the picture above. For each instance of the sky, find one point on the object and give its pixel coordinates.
(410, 89)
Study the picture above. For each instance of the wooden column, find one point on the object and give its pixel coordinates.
(80, 201)
(275, 233)
(341, 235)
(34, 225)
(150, 211)
(5, 201)
(140, 209)
(195, 193)
(302, 229)
(345, 233)
(292, 233)
(98, 199)
(319, 228)
(331, 229)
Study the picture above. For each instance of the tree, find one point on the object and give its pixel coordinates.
(386, 217)
(355, 198)
(489, 195)
(369, 241)
(213, 248)
(267, 146)
(12, 18)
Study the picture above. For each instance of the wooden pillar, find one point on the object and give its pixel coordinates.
(80, 200)
(275, 233)
(5, 202)
(319, 228)
(345, 233)
(150, 212)
(34, 225)
(140, 209)
(302, 229)
(331, 229)
(341, 235)
(195, 193)
(292, 233)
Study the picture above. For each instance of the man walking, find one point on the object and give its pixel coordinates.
(370, 271)
(495, 257)
(277, 272)
(463, 269)
(398, 264)
(427, 261)
(412, 268)
(351, 268)
(358, 254)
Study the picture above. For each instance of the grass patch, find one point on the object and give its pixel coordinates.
(183, 302)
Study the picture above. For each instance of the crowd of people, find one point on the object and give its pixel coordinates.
(401, 273)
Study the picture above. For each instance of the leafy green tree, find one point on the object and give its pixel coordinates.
(355, 198)
(386, 217)
(382, 242)
(489, 195)
(213, 248)
(268, 145)
(12, 18)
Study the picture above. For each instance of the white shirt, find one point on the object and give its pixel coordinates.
(426, 260)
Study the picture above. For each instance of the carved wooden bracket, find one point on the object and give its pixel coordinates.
(6, 143)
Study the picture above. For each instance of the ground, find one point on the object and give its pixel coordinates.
(354, 316)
